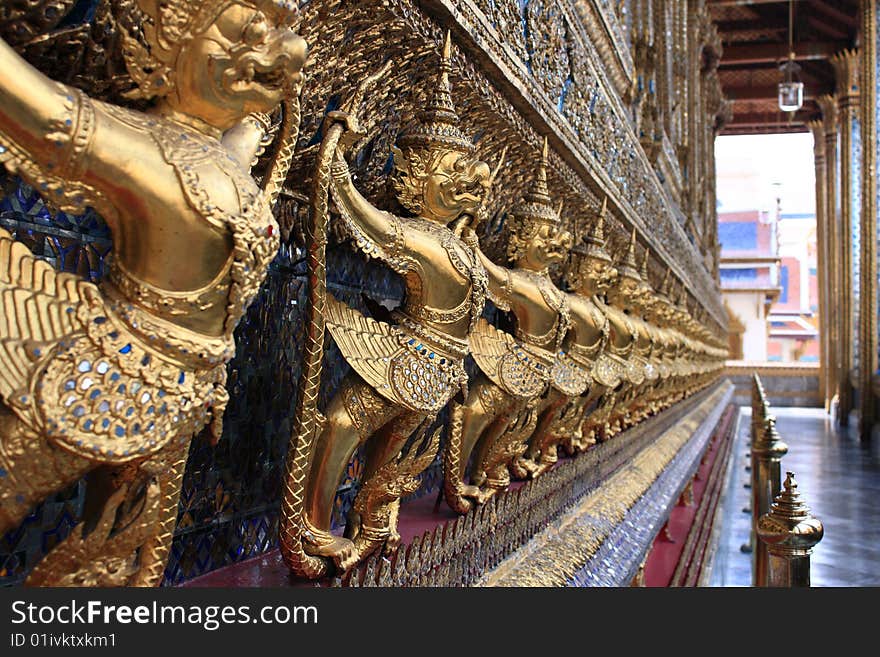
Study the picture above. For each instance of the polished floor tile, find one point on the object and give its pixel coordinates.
(838, 477)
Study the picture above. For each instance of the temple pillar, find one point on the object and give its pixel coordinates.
(867, 299)
(846, 68)
(821, 264)
(830, 212)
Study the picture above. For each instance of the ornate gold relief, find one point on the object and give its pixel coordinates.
(404, 372)
(502, 407)
(114, 380)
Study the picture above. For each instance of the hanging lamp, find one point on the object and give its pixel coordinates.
(791, 90)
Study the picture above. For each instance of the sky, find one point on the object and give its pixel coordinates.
(752, 170)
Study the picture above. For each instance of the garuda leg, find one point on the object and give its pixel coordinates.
(31, 469)
(541, 453)
(468, 423)
(355, 413)
(388, 477)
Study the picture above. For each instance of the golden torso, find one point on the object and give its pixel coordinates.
(623, 332)
(439, 281)
(587, 320)
(644, 343)
(537, 304)
(173, 186)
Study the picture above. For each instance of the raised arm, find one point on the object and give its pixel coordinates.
(40, 119)
(246, 141)
(500, 281)
(382, 230)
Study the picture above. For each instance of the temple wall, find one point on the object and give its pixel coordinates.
(627, 97)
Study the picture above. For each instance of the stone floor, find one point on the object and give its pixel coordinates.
(838, 477)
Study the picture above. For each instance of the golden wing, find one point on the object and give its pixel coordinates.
(507, 364)
(39, 308)
(368, 346)
(489, 346)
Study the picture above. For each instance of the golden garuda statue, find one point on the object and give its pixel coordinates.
(650, 346)
(404, 371)
(604, 421)
(657, 311)
(500, 410)
(630, 404)
(113, 380)
(590, 275)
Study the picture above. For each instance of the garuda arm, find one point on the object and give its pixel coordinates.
(46, 133)
(378, 234)
(500, 278)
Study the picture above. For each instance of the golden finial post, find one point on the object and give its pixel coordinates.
(759, 401)
(600, 221)
(759, 413)
(789, 532)
(446, 55)
(767, 452)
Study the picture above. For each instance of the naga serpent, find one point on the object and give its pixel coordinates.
(308, 419)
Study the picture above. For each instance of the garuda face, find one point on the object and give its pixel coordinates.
(457, 184)
(593, 276)
(241, 63)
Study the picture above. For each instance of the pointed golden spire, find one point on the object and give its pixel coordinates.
(537, 205)
(444, 91)
(628, 266)
(594, 241)
(683, 297)
(540, 193)
(667, 280)
(437, 124)
(599, 229)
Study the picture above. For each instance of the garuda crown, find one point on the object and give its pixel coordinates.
(627, 267)
(593, 244)
(436, 127)
(535, 211)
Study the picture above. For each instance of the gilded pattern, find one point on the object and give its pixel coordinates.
(126, 372)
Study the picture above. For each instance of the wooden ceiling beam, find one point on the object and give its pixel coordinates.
(764, 130)
(731, 77)
(767, 118)
(765, 92)
(822, 26)
(753, 25)
(835, 13)
(765, 53)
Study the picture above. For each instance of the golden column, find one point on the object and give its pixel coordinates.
(846, 70)
(868, 265)
(789, 532)
(828, 105)
(767, 452)
(821, 262)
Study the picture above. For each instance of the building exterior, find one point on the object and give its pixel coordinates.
(750, 280)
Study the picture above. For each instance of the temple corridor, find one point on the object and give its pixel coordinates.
(839, 478)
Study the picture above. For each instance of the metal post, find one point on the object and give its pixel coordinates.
(760, 410)
(767, 451)
(759, 401)
(789, 532)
